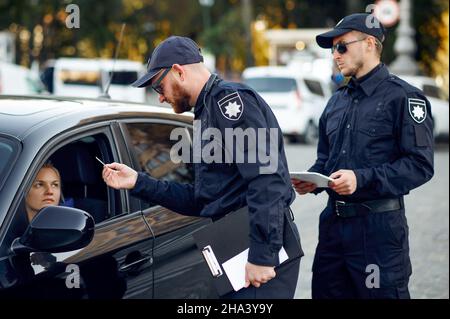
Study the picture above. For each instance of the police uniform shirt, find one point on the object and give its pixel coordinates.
(220, 188)
(380, 127)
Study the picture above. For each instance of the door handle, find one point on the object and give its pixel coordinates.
(136, 264)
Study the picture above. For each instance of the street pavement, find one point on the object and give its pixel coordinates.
(427, 211)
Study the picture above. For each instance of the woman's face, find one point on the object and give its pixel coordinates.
(45, 191)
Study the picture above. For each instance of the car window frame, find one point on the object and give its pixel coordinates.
(42, 155)
(136, 166)
(17, 149)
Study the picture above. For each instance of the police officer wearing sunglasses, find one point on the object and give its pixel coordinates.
(177, 73)
(376, 142)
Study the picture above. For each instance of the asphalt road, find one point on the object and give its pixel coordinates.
(427, 211)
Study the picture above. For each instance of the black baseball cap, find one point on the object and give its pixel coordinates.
(363, 22)
(173, 50)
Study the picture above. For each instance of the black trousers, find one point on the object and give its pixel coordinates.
(362, 257)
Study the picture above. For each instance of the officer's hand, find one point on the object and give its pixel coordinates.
(119, 176)
(303, 187)
(257, 275)
(344, 182)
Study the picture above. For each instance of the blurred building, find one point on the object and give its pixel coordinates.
(287, 44)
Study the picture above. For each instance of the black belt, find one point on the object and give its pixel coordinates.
(345, 209)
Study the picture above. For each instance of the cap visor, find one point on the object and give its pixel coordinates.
(145, 79)
(325, 40)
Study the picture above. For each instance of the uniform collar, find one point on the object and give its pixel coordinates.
(199, 104)
(371, 80)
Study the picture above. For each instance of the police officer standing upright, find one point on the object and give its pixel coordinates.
(177, 74)
(376, 142)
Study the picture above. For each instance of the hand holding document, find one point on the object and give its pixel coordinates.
(312, 177)
(235, 267)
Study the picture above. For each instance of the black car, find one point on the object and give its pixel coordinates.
(101, 242)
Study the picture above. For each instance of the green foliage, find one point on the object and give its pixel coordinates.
(150, 21)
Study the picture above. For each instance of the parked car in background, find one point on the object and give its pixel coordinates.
(439, 103)
(135, 249)
(89, 78)
(296, 100)
(16, 79)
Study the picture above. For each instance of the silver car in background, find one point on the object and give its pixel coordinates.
(296, 100)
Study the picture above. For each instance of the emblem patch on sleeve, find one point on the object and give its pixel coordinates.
(417, 109)
(231, 106)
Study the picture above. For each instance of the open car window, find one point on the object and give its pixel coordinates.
(82, 183)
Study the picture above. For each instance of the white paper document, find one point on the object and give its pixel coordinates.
(235, 267)
(312, 177)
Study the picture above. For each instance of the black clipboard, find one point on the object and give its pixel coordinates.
(228, 237)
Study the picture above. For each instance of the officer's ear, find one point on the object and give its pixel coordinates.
(179, 72)
(371, 43)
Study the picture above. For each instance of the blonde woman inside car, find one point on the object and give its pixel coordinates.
(45, 190)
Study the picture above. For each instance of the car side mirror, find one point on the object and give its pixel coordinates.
(56, 229)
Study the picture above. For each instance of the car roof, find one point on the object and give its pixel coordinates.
(278, 71)
(269, 71)
(97, 64)
(21, 115)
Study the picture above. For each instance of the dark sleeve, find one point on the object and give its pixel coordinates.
(323, 149)
(266, 186)
(174, 196)
(415, 165)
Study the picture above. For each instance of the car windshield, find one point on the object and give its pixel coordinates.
(272, 84)
(8, 150)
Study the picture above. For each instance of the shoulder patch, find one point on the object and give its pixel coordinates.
(417, 109)
(231, 106)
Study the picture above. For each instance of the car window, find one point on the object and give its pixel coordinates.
(314, 87)
(8, 151)
(75, 77)
(434, 91)
(124, 77)
(151, 146)
(82, 183)
(272, 84)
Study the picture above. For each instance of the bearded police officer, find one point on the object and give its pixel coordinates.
(376, 142)
(177, 74)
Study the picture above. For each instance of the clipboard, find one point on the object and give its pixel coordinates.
(228, 237)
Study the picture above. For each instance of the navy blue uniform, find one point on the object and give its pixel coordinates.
(380, 127)
(220, 188)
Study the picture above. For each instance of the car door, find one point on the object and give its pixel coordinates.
(117, 263)
(179, 269)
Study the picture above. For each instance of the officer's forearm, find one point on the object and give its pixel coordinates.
(175, 196)
(266, 200)
(397, 178)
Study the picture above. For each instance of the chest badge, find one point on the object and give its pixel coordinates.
(231, 106)
(417, 110)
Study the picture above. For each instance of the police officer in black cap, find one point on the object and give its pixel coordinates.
(177, 74)
(376, 142)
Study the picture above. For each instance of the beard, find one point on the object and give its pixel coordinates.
(352, 71)
(180, 100)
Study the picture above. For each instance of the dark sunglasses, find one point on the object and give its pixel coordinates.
(341, 47)
(157, 85)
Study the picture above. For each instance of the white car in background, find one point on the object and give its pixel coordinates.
(79, 77)
(296, 100)
(438, 100)
(18, 80)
